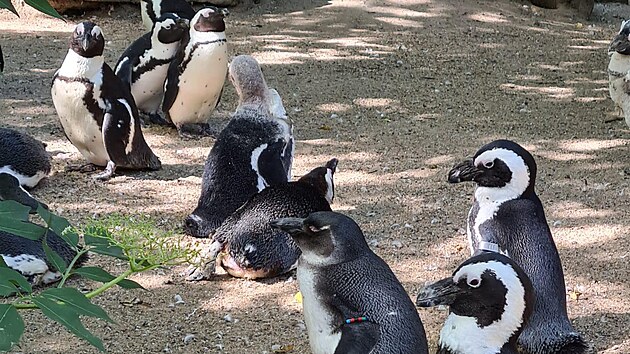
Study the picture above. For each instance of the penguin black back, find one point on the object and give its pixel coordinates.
(151, 10)
(23, 157)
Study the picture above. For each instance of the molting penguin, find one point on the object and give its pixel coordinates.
(352, 301)
(254, 151)
(152, 10)
(507, 216)
(490, 299)
(247, 245)
(195, 78)
(96, 109)
(619, 70)
(144, 64)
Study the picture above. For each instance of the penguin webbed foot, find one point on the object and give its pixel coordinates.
(107, 173)
(197, 130)
(205, 267)
(156, 118)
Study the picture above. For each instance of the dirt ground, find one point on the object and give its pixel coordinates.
(398, 91)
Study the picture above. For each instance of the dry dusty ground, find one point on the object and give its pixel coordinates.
(398, 90)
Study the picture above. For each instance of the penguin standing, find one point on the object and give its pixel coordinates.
(490, 299)
(352, 301)
(619, 71)
(254, 151)
(96, 110)
(249, 247)
(152, 10)
(144, 64)
(195, 78)
(507, 216)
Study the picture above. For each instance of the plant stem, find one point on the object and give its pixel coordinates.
(109, 284)
(66, 275)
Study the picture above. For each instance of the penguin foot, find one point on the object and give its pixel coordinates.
(205, 266)
(197, 130)
(155, 118)
(107, 174)
(86, 168)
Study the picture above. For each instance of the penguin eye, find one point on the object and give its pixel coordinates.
(474, 283)
(489, 164)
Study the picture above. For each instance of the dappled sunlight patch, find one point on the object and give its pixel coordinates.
(417, 173)
(400, 22)
(551, 91)
(488, 17)
(401, 12)
(559, 156)
(591, 144)
(355, 42)
(590, 235)
(274, 57)
(575, 210)
(440, 160)
(586, 47)
(492, 45)
(375, 102)
(334, 107)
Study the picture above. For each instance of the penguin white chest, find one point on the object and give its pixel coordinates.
(200, 84)
(77, 121)
(319, 321)
(148, 90)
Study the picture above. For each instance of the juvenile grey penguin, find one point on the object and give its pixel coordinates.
(195, 78)
(618, 70)
(144, 64)
(152, 10)
(352, 301)
(96, 109)
(254, 151)
(490, 299)
(247, 245)
(507, 216)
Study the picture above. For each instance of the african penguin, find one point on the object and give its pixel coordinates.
(249, 247)
(352, 301)
(96, 109)
(507, 216)
(490, 299)
(619, 70)
(195, 77)
(254, 151)
(152, 10)
(23, 157)
(144, 63)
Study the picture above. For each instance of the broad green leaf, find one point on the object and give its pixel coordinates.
(14, 219)
(76, 301)
(11, 327)
(59, 225)
(66, 315)
(11, 208)
(102, 245)
(6, 4)
(44, 6)
(98, 274)
(53, 257)
(12, 281)
(2, 264)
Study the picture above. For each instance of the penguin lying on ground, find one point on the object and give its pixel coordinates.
(152, 10)
(10, 189)
(352, 301)
(254, 151)
(195, 78)
(96, 110)
(144, 64)
(246, 244)
(490, 299)
(619, 70)
(507, 216)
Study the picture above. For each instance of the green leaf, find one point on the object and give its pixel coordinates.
(59, 225)
(14, 219)
(2, 264)
(12, 282)
(11, 327)
(53, 257)
(98, 274)
(102, 245)
(76, 301)
(44, 6)
(6, 4)
(66, 315)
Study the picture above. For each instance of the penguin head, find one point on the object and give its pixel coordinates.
(209, 19)
(504, 169)
(246, 75)
(621, 42)
(490, 299)
(325, 237)
(321, 178)
(87, 40)
(170, 28)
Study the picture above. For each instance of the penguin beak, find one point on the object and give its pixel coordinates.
(291, 226)
(463, 171)
(443, 292)
(620, 44)
(85, 42)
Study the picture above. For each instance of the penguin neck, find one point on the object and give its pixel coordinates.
(161, 50)
(196, 36)
(461, 334)
(75, 65)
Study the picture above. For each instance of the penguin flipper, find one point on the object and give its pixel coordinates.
(124, 69)
(358, 338)
(117, 136)
(171, 85)
(271, 164)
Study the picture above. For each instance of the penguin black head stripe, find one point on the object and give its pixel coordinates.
(171, 28)
(621, 42)
(323, 185)
(505, 168)
(87, 40)
(490, 299)
(210, 19)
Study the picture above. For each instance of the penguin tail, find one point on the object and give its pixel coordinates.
(153, 162)
(572, 343)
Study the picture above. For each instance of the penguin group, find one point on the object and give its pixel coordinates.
(260, 222)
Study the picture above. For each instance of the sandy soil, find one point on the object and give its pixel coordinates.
(398, 90)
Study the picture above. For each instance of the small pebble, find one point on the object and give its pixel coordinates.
(276, 347)
(178, 299)
(373, 242)
(228, 318)
(557, 223)
(188, 338)
(397, 244)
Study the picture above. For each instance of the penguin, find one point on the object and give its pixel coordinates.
(11, 189)
(247, 246)
(619, 71)
(490, 299)
(195, 78)
(508, 216)
(96, 109)
(352, 301)
(254, 151)
(23, 157)
(152, 10)
(1, 60)
(144, 63)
